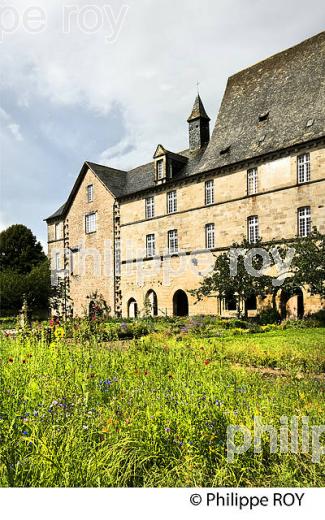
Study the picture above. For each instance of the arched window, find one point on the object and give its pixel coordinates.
(151, 297)
(180, 303)
(132, 308)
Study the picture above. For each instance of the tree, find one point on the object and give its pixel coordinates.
(19, 249)
(230, 276)
(283, 266)
(309, 263)
(24, 271)
(35, 287)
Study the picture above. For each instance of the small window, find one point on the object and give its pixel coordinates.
(209, 236)
(253, 229)
(209, 192)
(303, 168)
(57, 261)
(160, 169)
(225, 151)
(58, 231)
(171, 202)
(252, 181)
(304, 221)
(90, 193)
(150, 245)
(172, 241)
(74, 265)
(91, 223)
(263, 117)
(150, 207)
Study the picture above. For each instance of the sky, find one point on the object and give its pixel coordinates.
(107, 81)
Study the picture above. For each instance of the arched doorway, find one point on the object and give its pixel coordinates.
(292, 303)
(152, 299)
(92, 309)
(132, 308)
(251, 303)
(180, 303)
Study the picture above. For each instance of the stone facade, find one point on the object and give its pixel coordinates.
(113, 258)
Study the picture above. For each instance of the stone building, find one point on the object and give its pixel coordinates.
(149, 234)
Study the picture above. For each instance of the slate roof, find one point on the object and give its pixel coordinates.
(198, 110)
(285, 91)
(289, 86)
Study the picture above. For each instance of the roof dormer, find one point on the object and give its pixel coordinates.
(167, 164)
(160, 158)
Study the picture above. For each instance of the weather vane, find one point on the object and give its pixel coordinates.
(197, 86)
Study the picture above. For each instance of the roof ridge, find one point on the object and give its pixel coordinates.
(277, 54)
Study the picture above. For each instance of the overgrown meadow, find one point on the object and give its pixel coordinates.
(147, 403)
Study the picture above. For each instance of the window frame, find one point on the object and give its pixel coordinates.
(209, 192)
(150, 248)
(172, 241)
(89, 230)
(254, 181)
(306, 218)
(253, 227)
(171, 202)
(210, 235)
(58, 226)
(303, 168)
(58, 261)
(150, 206)
(90, 193)
(160, 171)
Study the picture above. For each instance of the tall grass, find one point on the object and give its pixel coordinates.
(153, 411)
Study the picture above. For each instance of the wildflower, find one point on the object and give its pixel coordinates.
(10, 360)
(167, 430)
(25, 432)
(59, 332)
(207, 361)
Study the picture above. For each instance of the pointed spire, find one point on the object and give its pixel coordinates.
(198, 110)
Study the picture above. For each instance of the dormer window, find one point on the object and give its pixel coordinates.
(225, 151)
(263, 117)
(160, 169)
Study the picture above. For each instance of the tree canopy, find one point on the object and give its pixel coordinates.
(19, 249)
(263, 269)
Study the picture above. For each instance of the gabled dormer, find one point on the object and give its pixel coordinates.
(167, 164)
(160, 158)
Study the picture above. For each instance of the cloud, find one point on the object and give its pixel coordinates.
(72, 96)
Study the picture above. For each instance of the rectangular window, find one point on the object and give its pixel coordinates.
(171, 202)
(57, 261)
(172, 241)
(150, 207)
(304, 221)
(209, 236)
(160, 169)
(253, 231)
(150, 245)
(209, 192)
(74, 259)
(303, 168)
(58, 231)
(252, 181)
(91, 223)
(90, 193)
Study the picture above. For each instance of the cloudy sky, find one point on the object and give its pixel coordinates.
(107, 81)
